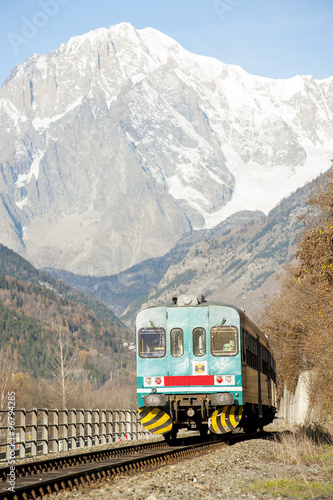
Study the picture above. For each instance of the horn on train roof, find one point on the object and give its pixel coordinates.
(187, 300)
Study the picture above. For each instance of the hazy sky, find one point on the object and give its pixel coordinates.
(273, 38)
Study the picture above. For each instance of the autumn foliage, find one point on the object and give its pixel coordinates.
(55, 352)
(299, 322)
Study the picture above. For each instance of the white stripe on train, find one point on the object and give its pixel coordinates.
(199, 389)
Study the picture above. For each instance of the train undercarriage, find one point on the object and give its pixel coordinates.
(208, 413)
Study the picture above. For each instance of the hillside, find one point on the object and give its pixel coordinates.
(12, 264)
(237, 262)
(239, 266)
(34, 306)
(119, 290)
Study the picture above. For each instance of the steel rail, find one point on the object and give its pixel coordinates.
(48, 464)
(72, 476)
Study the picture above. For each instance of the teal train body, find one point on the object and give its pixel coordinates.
(202, 365)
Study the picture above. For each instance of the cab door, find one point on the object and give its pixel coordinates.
(198, 331)
(188, 366)
(178, 349)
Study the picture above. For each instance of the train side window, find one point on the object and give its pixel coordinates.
(199, 341)
(177, 342)
(265, 361)
(272, 368)
(224, 340)
(243, 344)
(251, 351)
(152, 342)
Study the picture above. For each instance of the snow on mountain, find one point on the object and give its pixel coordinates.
(121, 141)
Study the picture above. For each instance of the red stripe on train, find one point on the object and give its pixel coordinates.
(189, 380)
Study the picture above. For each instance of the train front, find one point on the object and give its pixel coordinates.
(189, 367)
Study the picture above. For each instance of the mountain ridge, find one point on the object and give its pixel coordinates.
(14, 266)
(239, 266)
(119, 143)
(202, 258)
(118, 291)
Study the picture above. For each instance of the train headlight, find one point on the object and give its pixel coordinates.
(221, 399)
(190, 412)
(155, 399)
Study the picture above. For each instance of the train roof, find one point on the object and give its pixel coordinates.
(193, 301)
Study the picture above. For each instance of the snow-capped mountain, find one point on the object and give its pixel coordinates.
(118, 143)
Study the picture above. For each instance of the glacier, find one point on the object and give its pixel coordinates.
(121, 141)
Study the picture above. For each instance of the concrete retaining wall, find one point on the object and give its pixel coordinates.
(295, 408)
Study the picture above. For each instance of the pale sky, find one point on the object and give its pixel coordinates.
(272, 38)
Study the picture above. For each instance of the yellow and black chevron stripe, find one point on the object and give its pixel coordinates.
(225, 419)
(155, 420)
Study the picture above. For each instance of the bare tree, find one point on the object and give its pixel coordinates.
(299, 322)
(62, 359)
(7, 369)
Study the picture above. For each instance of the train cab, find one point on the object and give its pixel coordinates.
(191, 364)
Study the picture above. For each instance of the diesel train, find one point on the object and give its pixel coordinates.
(202, 365)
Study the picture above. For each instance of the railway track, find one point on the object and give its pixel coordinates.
(36, 479)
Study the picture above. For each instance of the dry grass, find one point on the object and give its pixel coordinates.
(311, 444)
(310, 449)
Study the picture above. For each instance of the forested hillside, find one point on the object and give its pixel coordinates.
(30, 314)
(37, 311)
(12, 264)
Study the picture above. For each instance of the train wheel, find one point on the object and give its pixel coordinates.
(171, 436)
(250, 426)
(203, 429)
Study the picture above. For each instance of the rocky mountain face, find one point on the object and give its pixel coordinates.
(130, 288)
(236, 262)
(236, 266)
(119, 143)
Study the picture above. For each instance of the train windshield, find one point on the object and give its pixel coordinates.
(224, 340)
(177, 342)
(199, 341)
(152, 342)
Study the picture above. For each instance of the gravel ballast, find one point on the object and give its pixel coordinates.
(227, 473)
